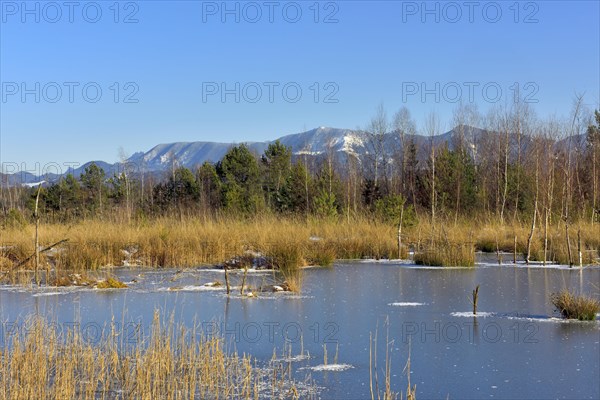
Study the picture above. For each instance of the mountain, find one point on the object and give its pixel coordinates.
(313, 143)
(191, 154)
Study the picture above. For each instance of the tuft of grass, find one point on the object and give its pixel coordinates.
(443, 254)
(321, 254)
(72, 280)
(571, 306)
(287, 257)
(111, 283)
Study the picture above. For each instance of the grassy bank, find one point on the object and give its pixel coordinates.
(293, 242)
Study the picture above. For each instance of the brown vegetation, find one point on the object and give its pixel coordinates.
(175, 362)
(571, 306)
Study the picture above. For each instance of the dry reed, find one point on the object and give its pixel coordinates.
(174, 362)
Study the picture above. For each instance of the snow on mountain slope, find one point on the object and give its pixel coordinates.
(189, 154)
(315, 142)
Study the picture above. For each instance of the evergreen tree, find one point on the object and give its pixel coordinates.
(276, 164)
(240, 176)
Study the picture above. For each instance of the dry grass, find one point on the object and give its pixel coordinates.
(110, 283)
(443, 250)
(445, 254)
(193, 242)
(383, 390)
(175, 362)
(571, 306)
(174, 242)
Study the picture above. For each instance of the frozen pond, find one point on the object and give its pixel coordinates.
(515, 349)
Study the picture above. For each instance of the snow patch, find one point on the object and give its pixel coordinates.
(34, 184)
(551, 319)
(406, 304)
(47, 294)
(470, 314)
(192, 288)
(331, 367)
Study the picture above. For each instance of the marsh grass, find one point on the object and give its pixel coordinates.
(572, 306)
(287, 258)
(110, 283)
(439, 250)
(191, 242)
(447, 255)
(173, 362)
(383, 390)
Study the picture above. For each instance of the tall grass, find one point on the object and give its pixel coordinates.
(571, 306)
(193, 242)
(439, 250)
(174, 362)
(176, 242)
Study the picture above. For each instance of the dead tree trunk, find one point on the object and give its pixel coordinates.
(579, 250)
(400, 232)
(568, 243)
(475, 299)
(36, 216)
(546, 236)
(535, 209)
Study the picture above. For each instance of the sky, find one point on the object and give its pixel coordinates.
(101, 80)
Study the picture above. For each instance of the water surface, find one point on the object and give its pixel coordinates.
(516, 348)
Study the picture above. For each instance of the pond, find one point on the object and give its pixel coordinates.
(515, 348)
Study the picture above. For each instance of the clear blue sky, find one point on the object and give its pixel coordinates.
(371, 55)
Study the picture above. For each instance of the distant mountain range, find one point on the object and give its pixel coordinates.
(313, 143)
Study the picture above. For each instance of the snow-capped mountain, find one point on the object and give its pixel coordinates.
(316, 142)
(190, 154)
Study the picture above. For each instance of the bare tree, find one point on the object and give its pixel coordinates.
(123, 156)
(551, 132)
(432, 129)
(567, 188)
(403, 125)
(537, 149)
(502, 121)
(464, 119)
(521, 122)
(375, 134)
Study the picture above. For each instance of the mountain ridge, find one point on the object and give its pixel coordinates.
(315, 142)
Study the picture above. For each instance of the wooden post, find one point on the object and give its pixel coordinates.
(226, 278)
(498, 256)
(515, 251)
(475, 299)
(243, 281)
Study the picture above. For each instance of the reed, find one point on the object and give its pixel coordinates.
(173, 362)
(571, 306)
(441, 251)
(195, 241)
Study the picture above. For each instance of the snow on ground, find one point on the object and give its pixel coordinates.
(331, 367)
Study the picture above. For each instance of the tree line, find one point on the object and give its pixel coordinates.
(517, 168)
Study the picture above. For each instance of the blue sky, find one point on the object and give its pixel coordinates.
(161, 74)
